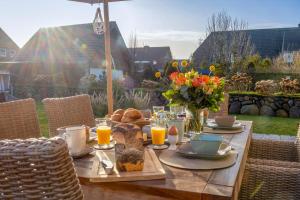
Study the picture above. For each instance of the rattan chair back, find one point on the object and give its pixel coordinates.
(298, 143)
(37, 169)
(75, 110)
(18, 119)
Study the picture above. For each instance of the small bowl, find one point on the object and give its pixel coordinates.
(225, 121)
(206, 143)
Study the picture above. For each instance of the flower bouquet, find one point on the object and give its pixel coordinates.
(196, 91)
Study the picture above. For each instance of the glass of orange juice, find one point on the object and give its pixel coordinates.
(103, 135)
(158, 135)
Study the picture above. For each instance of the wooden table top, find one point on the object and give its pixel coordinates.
(182, 184)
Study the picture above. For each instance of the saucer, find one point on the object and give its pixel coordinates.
(105, 146)
(84, 152)
(186, 150)
(214, 125)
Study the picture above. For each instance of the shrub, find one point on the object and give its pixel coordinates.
(266, 87)
(289, 86)
(138, 99)
(239, 82)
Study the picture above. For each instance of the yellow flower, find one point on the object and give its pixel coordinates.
(184, 63)
(157, 74)
(175, 64)
(212, 68)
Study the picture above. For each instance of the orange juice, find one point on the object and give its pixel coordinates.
(158, 135)
(103, 134)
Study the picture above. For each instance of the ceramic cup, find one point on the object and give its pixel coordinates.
(76, 139)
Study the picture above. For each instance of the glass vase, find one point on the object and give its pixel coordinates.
(195, 121)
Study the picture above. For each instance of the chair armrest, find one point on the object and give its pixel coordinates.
(270, 182)
(273, 150)
(275, 163)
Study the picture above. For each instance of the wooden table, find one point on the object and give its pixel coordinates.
(222, 184)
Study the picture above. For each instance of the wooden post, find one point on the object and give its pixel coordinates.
(108, 58)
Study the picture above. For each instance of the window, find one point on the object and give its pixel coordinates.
(12, 53)
(2, 52)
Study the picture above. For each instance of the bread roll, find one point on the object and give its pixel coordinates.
(120, 112)
(132, 114)
(116, 117)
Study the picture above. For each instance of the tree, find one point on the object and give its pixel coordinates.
(133, 44)
(227, 42)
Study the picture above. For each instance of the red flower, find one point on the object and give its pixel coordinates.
(196, 82)
(204, 78)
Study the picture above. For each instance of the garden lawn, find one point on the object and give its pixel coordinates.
(42, 119)
(272, 125)
(261, 124)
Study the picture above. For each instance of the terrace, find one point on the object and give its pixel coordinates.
(83, 116)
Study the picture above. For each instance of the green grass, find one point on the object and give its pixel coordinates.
(42, 119)
(272, 125)
(261, 124)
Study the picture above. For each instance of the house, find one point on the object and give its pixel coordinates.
(8, 50)
(153, 57)
(76, 45)
(267, 42)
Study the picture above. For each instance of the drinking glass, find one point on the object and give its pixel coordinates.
(157, 109)
(103, 131)
(176, 110)
(158, 135)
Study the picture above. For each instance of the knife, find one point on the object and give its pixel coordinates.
(106, 163)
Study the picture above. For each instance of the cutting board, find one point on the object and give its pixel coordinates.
(90, 168)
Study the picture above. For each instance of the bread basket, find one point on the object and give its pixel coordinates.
(140, 123)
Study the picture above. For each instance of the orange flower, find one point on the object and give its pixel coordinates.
(180, 80)
(216, 80)
(173, 75)
(204, 78)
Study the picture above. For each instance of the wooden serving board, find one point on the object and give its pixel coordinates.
(91, 169)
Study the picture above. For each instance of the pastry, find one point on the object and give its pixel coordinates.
(116, 117)
(120, 112)
(131, 115)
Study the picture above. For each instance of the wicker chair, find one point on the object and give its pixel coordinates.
(75, 110)
(272, 171)
(288, 151)
(270, 181)
(18, 119)
(223, 108)
(37, 169)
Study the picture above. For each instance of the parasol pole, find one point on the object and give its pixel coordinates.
(108, 58)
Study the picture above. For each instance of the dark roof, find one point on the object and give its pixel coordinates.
(160, 55)
(6, 41)
(74, 44)
(267, 42)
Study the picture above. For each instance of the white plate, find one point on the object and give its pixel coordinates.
(186, 150)
(214, 125)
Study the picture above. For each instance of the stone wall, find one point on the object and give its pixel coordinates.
(264, 105)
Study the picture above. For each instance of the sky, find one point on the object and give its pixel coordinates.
(179, 24)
